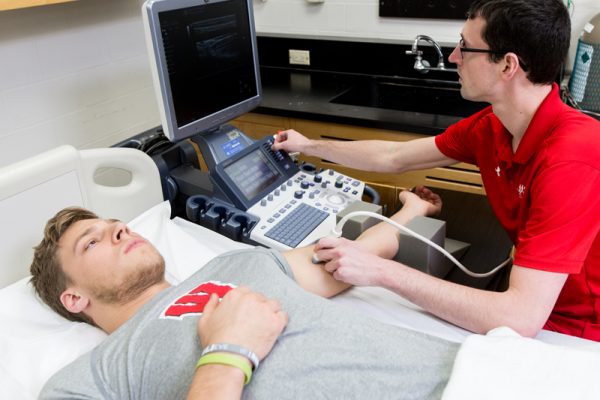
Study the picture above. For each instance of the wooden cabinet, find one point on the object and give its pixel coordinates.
(459, 177)
(14, 4)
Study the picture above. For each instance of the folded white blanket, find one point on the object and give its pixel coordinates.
(505, 365)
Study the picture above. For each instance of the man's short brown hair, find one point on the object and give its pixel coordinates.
(538, 31)
(48, 277)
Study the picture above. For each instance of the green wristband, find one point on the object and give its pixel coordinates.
(227, 359)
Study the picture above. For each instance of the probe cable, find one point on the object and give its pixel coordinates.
(337, 232)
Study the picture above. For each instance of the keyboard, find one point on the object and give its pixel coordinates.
(298, 224)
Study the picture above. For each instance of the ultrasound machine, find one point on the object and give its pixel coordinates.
(205, 69)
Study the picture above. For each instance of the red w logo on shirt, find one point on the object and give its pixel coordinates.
(193, 302)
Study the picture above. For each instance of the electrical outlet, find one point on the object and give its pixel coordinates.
(299, 57)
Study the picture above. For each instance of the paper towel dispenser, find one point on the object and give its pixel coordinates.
(584, 83)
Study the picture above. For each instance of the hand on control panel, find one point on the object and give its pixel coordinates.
(290, 141)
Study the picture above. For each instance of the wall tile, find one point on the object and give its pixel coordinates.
(75, 73)
(28, 142)
(100, 125)
(18, 63)
(72, 50)
(4, 126)
(125, 36)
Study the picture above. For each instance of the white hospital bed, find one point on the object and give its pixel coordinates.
(35, 342)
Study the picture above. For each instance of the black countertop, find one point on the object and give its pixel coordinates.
(339, 68)
(308, 95)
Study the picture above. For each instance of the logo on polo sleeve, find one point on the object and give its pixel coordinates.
(193, 302)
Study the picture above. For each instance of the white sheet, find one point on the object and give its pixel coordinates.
(392, 309)
(504, 365)
(35, 342)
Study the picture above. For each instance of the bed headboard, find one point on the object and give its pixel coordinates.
(33, 190)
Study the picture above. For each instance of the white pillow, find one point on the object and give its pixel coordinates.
(35, 342)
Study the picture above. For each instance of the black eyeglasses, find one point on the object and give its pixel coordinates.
(463, 49)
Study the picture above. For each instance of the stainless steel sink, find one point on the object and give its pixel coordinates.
(436, 98)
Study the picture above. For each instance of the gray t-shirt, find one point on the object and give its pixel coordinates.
(327, 351)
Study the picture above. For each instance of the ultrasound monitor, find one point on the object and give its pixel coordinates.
(204, 62)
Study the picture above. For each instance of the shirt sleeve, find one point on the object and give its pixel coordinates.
(281, 262)
(460, 140)
(75, 381)
(564, 219)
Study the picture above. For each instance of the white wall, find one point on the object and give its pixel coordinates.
(360, 19)
(74, 73)
(77, 73)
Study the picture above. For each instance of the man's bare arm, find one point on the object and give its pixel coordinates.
(524, 307)
(217, 382)
(381, 240)
(375, 155)
(244, 318)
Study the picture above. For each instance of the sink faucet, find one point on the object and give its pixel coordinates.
(423, 65)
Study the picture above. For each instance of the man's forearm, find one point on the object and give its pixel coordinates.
(380, 239)
(312, 277)
(217, 382)
(383, 238)
(524, 307)
(367, 155)
(469, 308)
(379, 155)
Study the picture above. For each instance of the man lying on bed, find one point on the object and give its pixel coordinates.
(97, 271)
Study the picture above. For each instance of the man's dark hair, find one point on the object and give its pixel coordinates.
(538, 31)
(47, 275)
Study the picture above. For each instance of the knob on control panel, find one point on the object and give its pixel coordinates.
(327, 191)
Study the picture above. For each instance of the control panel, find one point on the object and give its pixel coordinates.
(303, 209)
(262, 196)
(252, 173)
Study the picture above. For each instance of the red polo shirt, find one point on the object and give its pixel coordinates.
(546, 196)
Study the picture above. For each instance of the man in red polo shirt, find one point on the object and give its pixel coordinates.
(540, 165)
